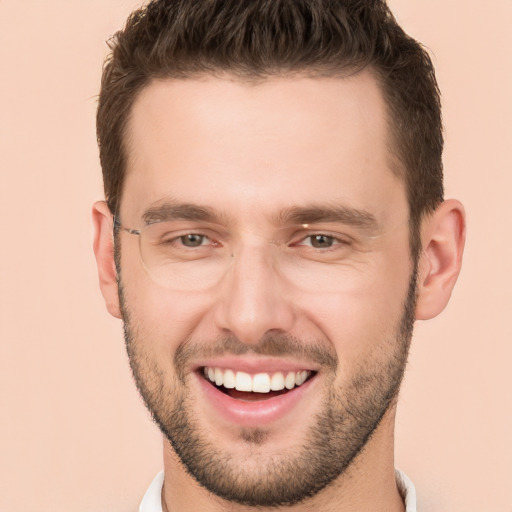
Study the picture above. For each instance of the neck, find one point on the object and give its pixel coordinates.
(368, 485)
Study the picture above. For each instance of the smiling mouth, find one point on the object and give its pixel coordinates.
(255, 387)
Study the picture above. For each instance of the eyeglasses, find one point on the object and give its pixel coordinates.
(183, 259)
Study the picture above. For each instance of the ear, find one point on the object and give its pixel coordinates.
(443, 237)
(104, 251)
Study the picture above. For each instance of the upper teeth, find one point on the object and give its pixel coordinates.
(259, 383)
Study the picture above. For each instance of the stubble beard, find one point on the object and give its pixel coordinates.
(347, 419)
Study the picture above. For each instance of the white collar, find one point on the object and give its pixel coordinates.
(152, 501)
(406, 489)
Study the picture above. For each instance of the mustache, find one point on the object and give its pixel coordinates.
(271, 345)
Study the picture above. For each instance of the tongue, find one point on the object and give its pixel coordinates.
(249, 396)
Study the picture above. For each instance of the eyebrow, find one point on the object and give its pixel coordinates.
(355, 217)
(303, 215)
(178, 211)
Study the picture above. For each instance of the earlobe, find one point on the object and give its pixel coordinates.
(104, 251)
(443, 238)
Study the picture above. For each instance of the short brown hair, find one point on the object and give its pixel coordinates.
(258, 39)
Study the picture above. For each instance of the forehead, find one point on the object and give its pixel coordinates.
(275, 143)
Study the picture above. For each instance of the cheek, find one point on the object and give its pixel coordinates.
(362, 318)
(164, 318)
(160, 318)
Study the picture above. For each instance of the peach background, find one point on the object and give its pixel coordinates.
(74, 435)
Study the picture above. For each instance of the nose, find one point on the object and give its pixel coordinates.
(253, 299)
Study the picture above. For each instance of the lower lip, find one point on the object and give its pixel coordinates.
(254, 413)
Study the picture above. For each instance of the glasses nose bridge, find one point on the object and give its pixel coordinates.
(253, 260)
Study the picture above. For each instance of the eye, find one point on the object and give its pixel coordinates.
(321, 241)
(194, 240)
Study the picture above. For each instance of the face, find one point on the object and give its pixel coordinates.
(269, 301)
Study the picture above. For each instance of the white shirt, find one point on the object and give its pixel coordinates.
(152, 501)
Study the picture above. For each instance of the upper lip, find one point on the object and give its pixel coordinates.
(254, 365)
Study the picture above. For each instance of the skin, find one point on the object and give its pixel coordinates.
(248, 153)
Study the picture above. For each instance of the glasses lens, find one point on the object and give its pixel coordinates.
(183, 261)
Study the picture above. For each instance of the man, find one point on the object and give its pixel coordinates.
(274, 223)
